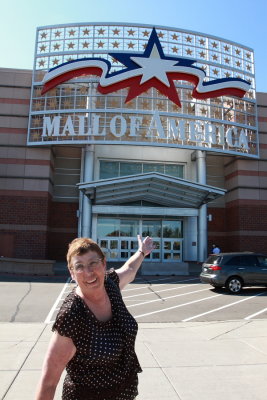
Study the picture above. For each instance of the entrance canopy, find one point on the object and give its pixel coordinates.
(152, 187)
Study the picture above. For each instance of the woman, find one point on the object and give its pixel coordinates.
(94, 334)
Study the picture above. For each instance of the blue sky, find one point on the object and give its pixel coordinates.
(242, 21)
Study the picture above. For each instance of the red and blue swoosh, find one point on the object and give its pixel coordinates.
(144, 71)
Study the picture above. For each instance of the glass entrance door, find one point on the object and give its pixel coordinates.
(117, 238)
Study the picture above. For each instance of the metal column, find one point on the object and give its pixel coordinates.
(202, 219)
(88, 174)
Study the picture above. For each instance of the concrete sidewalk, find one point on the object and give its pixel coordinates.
(188, 361)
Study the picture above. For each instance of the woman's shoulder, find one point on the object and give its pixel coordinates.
(68, 315)
(112, 274)
(69, 307)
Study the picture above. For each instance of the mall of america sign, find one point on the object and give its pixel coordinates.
(151, 97)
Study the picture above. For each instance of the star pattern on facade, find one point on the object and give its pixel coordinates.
(248, 67)
(175, 108)
(36, 136)
(215, 71)
(99, 103)
(115, 44)
(238, 63)
(101, 31)
(130, 45)
(37, 105)
(72, 32)
(113, 103)
(57, 34)
(188, 39)
(174, 36)
(116, 31)
(43, 35)
(202, 42)
(38, 91)
(226, 48)
(161, 35)
(85, 45)
(67, 103)
(83, 89)
(202, 54)
(237, 51)
(189, 52)
(100, 44)
(71, 45)
(214, 57)
(145, 121)
(130, 104)
(56, 46)
(227, 74)
(145, 33)
(131, 32)
(42, 48)
(217, 114)
(41, 63)
(37, 121)
(52, 103)
(214, 45)
(175, 49)
(161, 106)
(227, 60)
(68, 90)
(55, 61)
(86, 32)
(146, 105)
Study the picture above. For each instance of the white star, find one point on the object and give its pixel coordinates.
(155, 67)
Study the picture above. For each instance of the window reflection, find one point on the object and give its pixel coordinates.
(113, 169)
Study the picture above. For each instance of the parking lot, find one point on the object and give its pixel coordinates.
(177, 298)
(149, 299)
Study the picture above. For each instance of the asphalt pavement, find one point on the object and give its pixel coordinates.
(193, 360)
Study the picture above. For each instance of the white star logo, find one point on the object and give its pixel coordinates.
(155, 67)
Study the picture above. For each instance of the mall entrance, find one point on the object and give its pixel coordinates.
(117, 237)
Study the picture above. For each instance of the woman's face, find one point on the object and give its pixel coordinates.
(88, 270)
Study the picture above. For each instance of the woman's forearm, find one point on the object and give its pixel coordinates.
(45, 391)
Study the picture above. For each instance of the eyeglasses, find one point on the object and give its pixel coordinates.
(93, 265)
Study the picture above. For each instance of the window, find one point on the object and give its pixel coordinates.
(113, 169)
(262, 261)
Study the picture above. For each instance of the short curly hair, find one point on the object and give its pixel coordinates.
(81, 246)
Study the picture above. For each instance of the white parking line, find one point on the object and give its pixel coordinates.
(257, 313)
(159, 291)
(221, 308)
(166, 298)
(54, 307)
(160, 284)
(180, 305)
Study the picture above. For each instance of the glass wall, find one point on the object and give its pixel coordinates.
(118, 237)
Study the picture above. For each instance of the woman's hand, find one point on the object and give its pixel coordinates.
(146, 245)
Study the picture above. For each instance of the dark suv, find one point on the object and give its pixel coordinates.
(235, 270)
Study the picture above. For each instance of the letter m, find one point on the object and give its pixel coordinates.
(176, 130)
(51, 128)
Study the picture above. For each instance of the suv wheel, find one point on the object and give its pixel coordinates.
(234, 285)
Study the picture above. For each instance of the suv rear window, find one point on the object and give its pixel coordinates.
(213, 259)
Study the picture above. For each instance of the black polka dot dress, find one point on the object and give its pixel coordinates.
(105, 365)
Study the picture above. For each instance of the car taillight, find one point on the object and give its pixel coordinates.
(215, 267)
